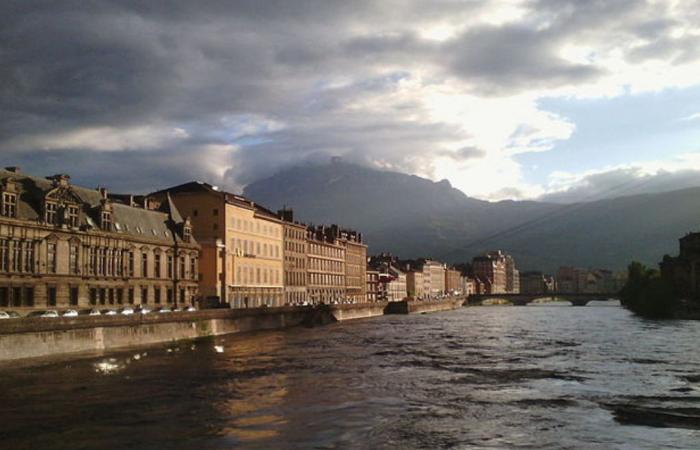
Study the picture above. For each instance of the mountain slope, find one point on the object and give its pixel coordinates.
(412, 216)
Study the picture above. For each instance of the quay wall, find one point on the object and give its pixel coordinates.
(416, 307)
(41, 337)
(357, 311)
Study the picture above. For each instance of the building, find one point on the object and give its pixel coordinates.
(433, 278)
(242, 245)
(453, 281)
(394, 281)
(512, 276)
(325, 265)
(533, 282)
(490, 269)
(414, 283)
(355, 265)
(64, 246)
(372, 285)
(295, 255)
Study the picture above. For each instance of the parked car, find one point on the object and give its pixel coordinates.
(165, 309)
(126, 311)
(108, 312)
(142, 310)
(4, 315)
(70, 313)
(177, 310)
(190, 309)
(13, 314)
(50, 313)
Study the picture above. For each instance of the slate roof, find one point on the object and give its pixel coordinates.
(128, 220)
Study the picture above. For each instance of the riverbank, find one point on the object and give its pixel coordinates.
(30, 338)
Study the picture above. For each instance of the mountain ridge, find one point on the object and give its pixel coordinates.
(413, 216)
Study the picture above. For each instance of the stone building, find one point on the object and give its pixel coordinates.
(295, 255)
(372, 285)
(325, 266)
(64, 246)
(453, 281)
(533, 282)
(355, 265)
(512, 276)
(242, 245)
(414, 283)
(394, 281)
(433, 278)
(490, 269)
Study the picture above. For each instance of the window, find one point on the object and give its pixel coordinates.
(17, 296)
(120, 296)
(187, 234)
(50, 213)
(144, 265)
(93, 296)
(28, 296)
(72, 216)
(73, 296)
(103, 296)
(182, 296)
(193, 268)
(111, 296)
(169, 296)
(4, 255)
(51, 296)
(106, 221)
(131, 264)
(73, 259)
(182, 267)
(156, 295)
(131, 296)
(157, 265)
(144, 295)
(9, 204)
(28, 256)
(170, 266)
(4, 297)
(51, 260)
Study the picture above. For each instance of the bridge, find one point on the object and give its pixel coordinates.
(575, 298)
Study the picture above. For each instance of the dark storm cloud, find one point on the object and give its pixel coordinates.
(161, 92)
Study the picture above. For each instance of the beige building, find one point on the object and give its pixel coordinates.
(373, 290)
(325, 266)
(295, 256)
(453, 281)
(414, 284)
(433, 278)
(67, 247)
(242, 245)
(355, 266)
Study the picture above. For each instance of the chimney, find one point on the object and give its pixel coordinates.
(13, 169)
(103, 192)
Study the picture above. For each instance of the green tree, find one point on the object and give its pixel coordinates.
(646, 293)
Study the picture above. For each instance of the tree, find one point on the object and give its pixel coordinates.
(647, 294)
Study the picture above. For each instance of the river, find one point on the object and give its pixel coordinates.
(535, 377)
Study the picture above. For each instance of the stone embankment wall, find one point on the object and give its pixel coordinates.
(39, 337)
(357, 311)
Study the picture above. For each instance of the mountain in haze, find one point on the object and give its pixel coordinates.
(412, 217)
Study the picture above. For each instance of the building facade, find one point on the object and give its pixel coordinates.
(63, 246)
(490, 269)
(355, 265)
(372, 285)
(414, 283)
(242, 245)
(295, 255)
(325, 266)
(453, 281)
(512, 276)
(433, 278)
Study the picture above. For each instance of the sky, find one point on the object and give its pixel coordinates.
(553, 100)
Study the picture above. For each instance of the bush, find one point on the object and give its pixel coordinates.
(646, 293)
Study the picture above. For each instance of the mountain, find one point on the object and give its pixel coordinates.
(412, 216)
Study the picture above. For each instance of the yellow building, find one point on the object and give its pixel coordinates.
(295, 255)
(325, 266)
(242, 245)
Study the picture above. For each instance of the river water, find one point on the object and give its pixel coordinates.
(536, 377)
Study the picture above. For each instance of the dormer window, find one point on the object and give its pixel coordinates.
(9, 204)
(72, 216)
(187, 234)
(106, 220)
(50, 210)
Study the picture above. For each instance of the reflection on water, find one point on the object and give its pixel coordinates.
(544, 377)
